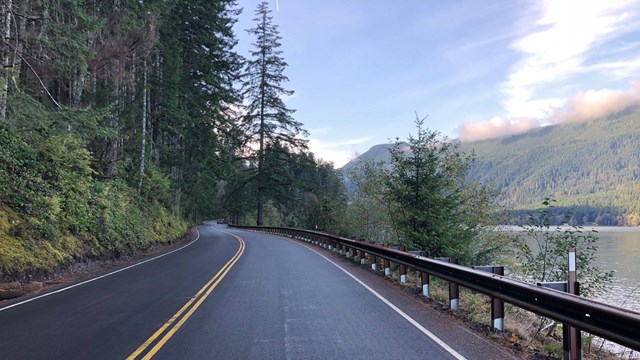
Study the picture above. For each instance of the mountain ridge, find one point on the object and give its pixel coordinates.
(592, 166)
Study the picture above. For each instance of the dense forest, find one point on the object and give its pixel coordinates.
(123, 121)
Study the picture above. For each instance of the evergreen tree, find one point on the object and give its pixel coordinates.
(268, 121)
(433, 205)
(200, 67)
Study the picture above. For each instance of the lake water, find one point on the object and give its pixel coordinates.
(619, 250)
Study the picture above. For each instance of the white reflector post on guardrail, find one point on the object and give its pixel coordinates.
(387, 264)
(424, 277)
(403, 270)
(575, 343)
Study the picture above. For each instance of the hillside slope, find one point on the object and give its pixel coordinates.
(592, 167)
(590, 164)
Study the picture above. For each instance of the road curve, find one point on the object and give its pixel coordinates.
(229, 295)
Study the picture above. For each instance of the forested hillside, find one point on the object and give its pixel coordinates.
(591, 168)
(123, 121)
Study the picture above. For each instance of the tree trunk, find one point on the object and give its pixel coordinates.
(260, 219)
(143, 135)
(112, 151)
(21, 36)
(5, 70)
(154, 113)
(77, 87)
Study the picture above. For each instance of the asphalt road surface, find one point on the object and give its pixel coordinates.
(235, 294)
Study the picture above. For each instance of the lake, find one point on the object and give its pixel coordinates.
(619, 250)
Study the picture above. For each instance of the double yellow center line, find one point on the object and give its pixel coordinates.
(172, 325)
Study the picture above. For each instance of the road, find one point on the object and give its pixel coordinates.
(234, 294)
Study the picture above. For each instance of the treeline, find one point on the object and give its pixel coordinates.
(591, 167)
(121, 121)
(580, 216)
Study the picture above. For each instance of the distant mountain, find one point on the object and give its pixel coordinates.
(377, 153)
(593, 167)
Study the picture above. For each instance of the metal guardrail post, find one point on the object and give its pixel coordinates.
(454, 292)
(387, 263)
(403, 270)
(424, 277)
(374, 260)
(454, 298)
(363, 257)
(572, 347)
(497, 305)
(575, 343)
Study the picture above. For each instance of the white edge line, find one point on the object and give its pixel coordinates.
(97, 278)
(413, 322)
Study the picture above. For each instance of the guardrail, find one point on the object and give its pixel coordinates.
(616, 324)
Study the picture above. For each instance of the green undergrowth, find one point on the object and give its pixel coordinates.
(53, 211)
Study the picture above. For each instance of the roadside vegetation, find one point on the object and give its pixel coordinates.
(124, 122)
(54, 211)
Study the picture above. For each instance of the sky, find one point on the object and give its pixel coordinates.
(363, 69)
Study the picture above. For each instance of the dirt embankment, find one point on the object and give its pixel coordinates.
(81, 270)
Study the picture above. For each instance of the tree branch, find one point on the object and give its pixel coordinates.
(37, 76)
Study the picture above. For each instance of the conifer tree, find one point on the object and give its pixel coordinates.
(200, 67)
(268, 122)
(435, 207)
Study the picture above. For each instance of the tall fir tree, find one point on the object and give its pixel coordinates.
(435, 207)
(268, 122)
(200, 70)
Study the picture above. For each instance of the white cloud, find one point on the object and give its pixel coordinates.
(583, 106)
(560, 44)
(337, 152)
(495, 128)
(594, 104)
(564, 40)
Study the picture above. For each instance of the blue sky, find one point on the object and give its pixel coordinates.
(360, 69)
